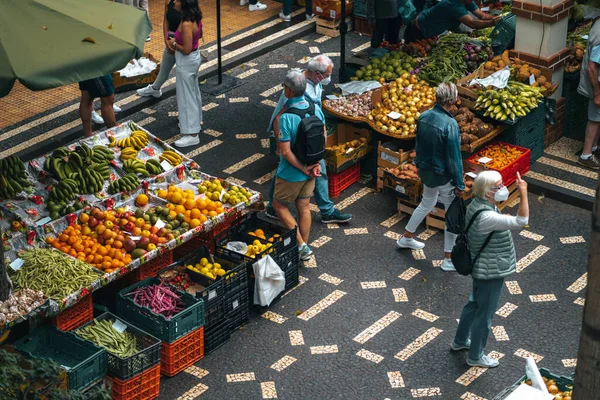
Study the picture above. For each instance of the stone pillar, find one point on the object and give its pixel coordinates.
(541, 35)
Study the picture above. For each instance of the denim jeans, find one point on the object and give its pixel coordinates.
(321, 192)
(430, 197)
(477, 314)
(287, 7)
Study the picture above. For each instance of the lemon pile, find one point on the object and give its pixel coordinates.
(207, 269)
(257, 248)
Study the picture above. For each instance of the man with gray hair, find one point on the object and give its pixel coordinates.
(317, 74)
(440, 167)
(294, 180)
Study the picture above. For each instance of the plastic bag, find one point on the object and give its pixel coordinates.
(533, 373)
(455, 216)
(269, 281)
(238, 247)
(358, 87)
(497, 79)
(408, 11)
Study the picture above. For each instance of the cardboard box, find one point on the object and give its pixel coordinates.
(387, 158)
(124, 84)
(332, 9)
(337, 162)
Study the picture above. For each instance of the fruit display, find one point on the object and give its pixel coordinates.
(137, 140)
(128, 153)
(471, 127)
(347, 147)
(171, 157)
(61, 208)
(52, 273)
(205, 267)
(13, 178)
(125, 184)
(19, 304)
(446, 63)
(389, 67)
(138, 167)
(501, 155)
(184, 208)
(354, 105)
(213, 190)
(406, 96)
(405, 171)
(67, 164)
(419, 48)
(153, 167)
(580, 34)
(553, 389)
(573, 62)
(476, 54)
(257, 248)
(177, 277)
(515, 100)
(390, 46)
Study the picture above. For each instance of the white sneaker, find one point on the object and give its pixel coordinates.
(116, 108)
(447, 265)
(484, 362)
(409, 243)
(286, 18)
(459, 347)
(148, 38)
(244, 2)
(149, 91)
(257, 7)
(187, 140)
(310, 17)
(97, 119)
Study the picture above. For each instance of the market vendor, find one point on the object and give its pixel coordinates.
(447, 15)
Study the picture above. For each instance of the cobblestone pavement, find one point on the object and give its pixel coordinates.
(369, 321)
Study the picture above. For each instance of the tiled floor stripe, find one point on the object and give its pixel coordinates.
(561, 183)
(513, 287)
(475, 372)
(283, 363)
(324, 349)
(196, 371)
(330, 279)
(296, 338)
(243, 377)
(301, 281)
(569, 168)
(203, 149)
(194, 392)
(572, 240)
(321, 305)
(377, 327)
(396, 380)
(471, 396)
(564, 148)
(265, 178)
(524, 354)
(400, 295)
(418, 344)
(393, 220)
(579, 284)
(531, 257)
(244, 163)
(370, 356)
(426, 392)
(274, 317)
(373, 285)
(500, 334)
(268, 390)
(354, 198)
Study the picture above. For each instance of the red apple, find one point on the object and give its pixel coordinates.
(129, 227)
(162, 232)
(143, 243)
(92, 222)
(153, 238)
(129, 245)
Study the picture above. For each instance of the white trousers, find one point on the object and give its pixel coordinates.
(430, 198)
(187, 87)
(136, 3)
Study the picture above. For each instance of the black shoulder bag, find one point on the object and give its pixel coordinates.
(461, 253)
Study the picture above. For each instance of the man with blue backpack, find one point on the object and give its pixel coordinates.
(301, 146)
(317, 74)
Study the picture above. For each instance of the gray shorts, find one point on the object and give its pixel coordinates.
(593, 111)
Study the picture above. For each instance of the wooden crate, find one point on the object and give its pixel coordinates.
(330, 27)
(331, 9)
(337, 162)
(124, 84)
(408, 189)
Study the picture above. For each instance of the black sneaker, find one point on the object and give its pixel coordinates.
(270, 212)
(591, 163)
(335, 217)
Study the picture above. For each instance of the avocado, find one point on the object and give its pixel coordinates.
(184, 226)
(180, 217)
(54, 215)
(175, 224)
(158, 210)
(146, 217)
(153, 219)
(69, 210)
(170, 218)
(169, 227)
(139, 213)
(77, 205)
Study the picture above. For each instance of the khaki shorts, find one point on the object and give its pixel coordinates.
(288, 192)
(593, 111)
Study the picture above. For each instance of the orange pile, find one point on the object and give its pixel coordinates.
(108, 257)
(195, 212)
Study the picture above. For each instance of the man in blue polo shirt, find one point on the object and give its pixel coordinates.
(447, 15)
(295, 182)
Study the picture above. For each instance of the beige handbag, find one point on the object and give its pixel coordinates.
(203, 53)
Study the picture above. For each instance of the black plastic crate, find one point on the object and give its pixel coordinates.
(237, 308)
(166, 329)
(576, 107)
(217, 336)
(148, 354)
(289, 262)
(249, 223)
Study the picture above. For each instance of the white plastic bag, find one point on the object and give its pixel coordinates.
(269, 281)
(533, 373)
(238, 247)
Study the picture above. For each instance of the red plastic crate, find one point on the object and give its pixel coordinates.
(151, 268)
(509, 173)
(144, 386)
(75, 316)
(177, 356)
(205, 239)
(343, 180)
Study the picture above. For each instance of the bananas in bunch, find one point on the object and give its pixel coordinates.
(138, 140)
(154, 167)
(13, 178)
(125, 184)
(136, 166)
(64, 191)
(128, 153)
(63, 162)
(515, 100)
(172, 158)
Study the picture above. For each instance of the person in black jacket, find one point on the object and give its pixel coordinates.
(383, 14)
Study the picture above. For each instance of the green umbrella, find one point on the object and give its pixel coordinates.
(42, 41)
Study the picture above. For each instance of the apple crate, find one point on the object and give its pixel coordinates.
(76, 315)
(509, 172)
(84, 361)
(147, 355)
(145, 385)
(185, 351)
(166, 329)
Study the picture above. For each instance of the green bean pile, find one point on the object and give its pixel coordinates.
(102, 333)
(446, 61)
(53, 273)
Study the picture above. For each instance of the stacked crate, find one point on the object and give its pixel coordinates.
(528, 132)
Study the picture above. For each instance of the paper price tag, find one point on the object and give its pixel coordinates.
(159, 224)
(485, 9)
(394, 115)
(235, 304)
(17, 264)
(400, 189)
(287, 241)
(166, 166)
(212, 294)
(350, 150)
(472, 174)
(584, 37)
(119, 326)
(332, 97)
(484, 160)
(531, 79)
(43, 221)
(135, 238)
